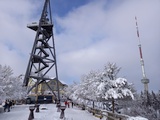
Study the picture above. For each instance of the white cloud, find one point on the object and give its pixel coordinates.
(100, 32)
(16, 40)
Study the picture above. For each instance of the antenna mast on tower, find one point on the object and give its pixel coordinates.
(144, 80)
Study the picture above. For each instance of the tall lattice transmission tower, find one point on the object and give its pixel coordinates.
(144, 80)
(42, 62)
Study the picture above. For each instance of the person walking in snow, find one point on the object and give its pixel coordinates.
(66, 103)
(72, 103)
(6, 106)
(10, 104)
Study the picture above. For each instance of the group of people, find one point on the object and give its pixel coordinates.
(67, 103)
(8, 105)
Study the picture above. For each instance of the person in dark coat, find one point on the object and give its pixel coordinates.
(72, 103)
(6, 106)
(10, 105)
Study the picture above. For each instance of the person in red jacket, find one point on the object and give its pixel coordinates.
(66, 103)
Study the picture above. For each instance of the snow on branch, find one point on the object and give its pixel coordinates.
(99, 85)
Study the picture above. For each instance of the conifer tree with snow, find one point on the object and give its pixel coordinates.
(138, 107)
(155, 102)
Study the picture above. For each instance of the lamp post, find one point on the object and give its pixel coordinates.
(31, 115)
(62, 115)
(37, 107)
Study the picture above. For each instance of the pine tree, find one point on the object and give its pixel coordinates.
(155, 102)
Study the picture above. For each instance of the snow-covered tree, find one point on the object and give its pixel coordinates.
(138, 108)
(70, 91)
(10, 87)
(103, 85)
(154, 101)
(5, 73)
(114, 87)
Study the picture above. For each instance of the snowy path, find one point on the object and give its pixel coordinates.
(21, 112)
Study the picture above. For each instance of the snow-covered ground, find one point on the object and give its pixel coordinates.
(137, 118)
(21, 112)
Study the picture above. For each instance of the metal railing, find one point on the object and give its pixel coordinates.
(103, 113)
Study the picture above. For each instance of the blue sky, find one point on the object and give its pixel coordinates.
(62, 7)
(88, 34)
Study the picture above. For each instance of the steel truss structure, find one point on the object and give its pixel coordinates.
(42, 62)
